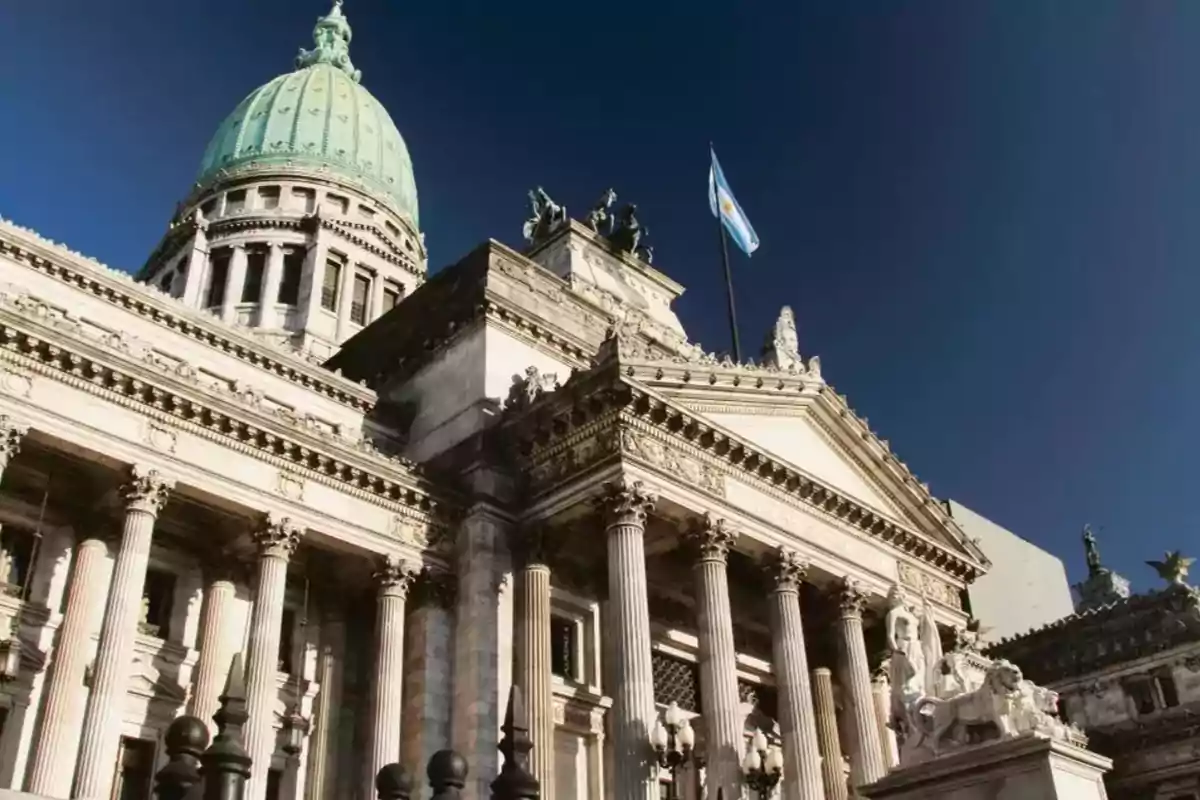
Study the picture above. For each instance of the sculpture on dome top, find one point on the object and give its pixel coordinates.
(600, 219)
(546, 216)
(1173, 568)
(782, 348)
(332, 39)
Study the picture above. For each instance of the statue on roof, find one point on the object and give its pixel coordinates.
(782, 348)
(1173, 568)
(628, 231)
(600, 219)
(1091, 552)
(546, 216)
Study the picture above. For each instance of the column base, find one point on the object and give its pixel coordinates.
(1028, 767)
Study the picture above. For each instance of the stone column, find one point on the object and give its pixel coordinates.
(881, 693)
(394, 576)
(868, 766)
(625, 504)
(53, 764)
(270, 288)
(428, 670)
(827, 735)
(797, 718)
(212, 669)
(532, 646)
(323, 747)
(197, 263)
(312, 275)
(277, 539)
(235, 279)
(376, 309)
(144, 495)
(723, 727)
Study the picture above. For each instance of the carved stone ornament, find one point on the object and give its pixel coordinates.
(528, 388)
(787, 569)
(434, 589)
(851, 598)
(146, 490)
(277, 537)
(11, 434)
(626, 502)
(782, 348)
(394, 575)
(711, 538)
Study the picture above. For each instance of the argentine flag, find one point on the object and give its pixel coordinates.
(720, 200)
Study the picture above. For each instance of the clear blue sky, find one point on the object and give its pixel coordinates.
(985, 214)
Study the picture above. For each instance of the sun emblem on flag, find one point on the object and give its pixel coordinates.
(727, 206)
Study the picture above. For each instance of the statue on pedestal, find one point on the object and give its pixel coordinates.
(600, 219)
(545, 217)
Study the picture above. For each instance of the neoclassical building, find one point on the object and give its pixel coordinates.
(395, 496)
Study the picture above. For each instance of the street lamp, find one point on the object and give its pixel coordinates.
(762, 766)
(673, 739)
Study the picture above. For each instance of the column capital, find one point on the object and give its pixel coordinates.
(534, 544)
(851, 598)
(787, 569)
(146, 490)
(277, 536)
(435, 589)
(394, 575)
(711, 538)
(626, 502)
(11, 434)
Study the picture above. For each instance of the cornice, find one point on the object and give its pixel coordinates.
(589, 421)
(120, 290)
(33, 340)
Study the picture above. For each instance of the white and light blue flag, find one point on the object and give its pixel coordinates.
(720, 200)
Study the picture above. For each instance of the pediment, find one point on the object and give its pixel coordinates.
(804, 443)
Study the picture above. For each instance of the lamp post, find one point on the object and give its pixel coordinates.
(673, 739)
(762, 766)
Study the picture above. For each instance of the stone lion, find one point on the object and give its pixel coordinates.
(995, 703)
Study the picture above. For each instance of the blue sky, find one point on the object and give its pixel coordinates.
(984, 214)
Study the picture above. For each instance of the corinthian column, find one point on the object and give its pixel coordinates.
(53, 764)
(277, 539)
(625, 505)
(145, 494)
(212, 669)
(711, 540)
(323, 748)
(868, 766)
(428, 669)
(881, 693)
(532, 615)
(827, 735)
(394, 576)
(797, 718)
(11, 434)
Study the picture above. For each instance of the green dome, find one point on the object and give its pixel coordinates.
(319, 116)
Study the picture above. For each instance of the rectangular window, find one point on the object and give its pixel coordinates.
(135, 770)
(1167, 689)
(165, 282)
(287, 640)
(330, 284)
(268, 197)
(274, 782)
(206, 210)
(1141, 692)
(392, 229)
(368, 213)
(256, 267)
(289, 284)
(337, 204)
(218, 276)
(304, 199)
(158, 596)
(235, 202)
(392, 293)
(362, 293)
(564, 639)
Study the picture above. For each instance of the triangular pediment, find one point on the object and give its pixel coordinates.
(804, 443)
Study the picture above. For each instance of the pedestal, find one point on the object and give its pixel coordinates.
(1029, 767)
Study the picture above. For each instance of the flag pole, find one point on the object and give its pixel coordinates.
(733, 326)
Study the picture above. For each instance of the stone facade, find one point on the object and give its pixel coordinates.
(520, 471)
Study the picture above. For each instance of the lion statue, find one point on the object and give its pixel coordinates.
(997, 702)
